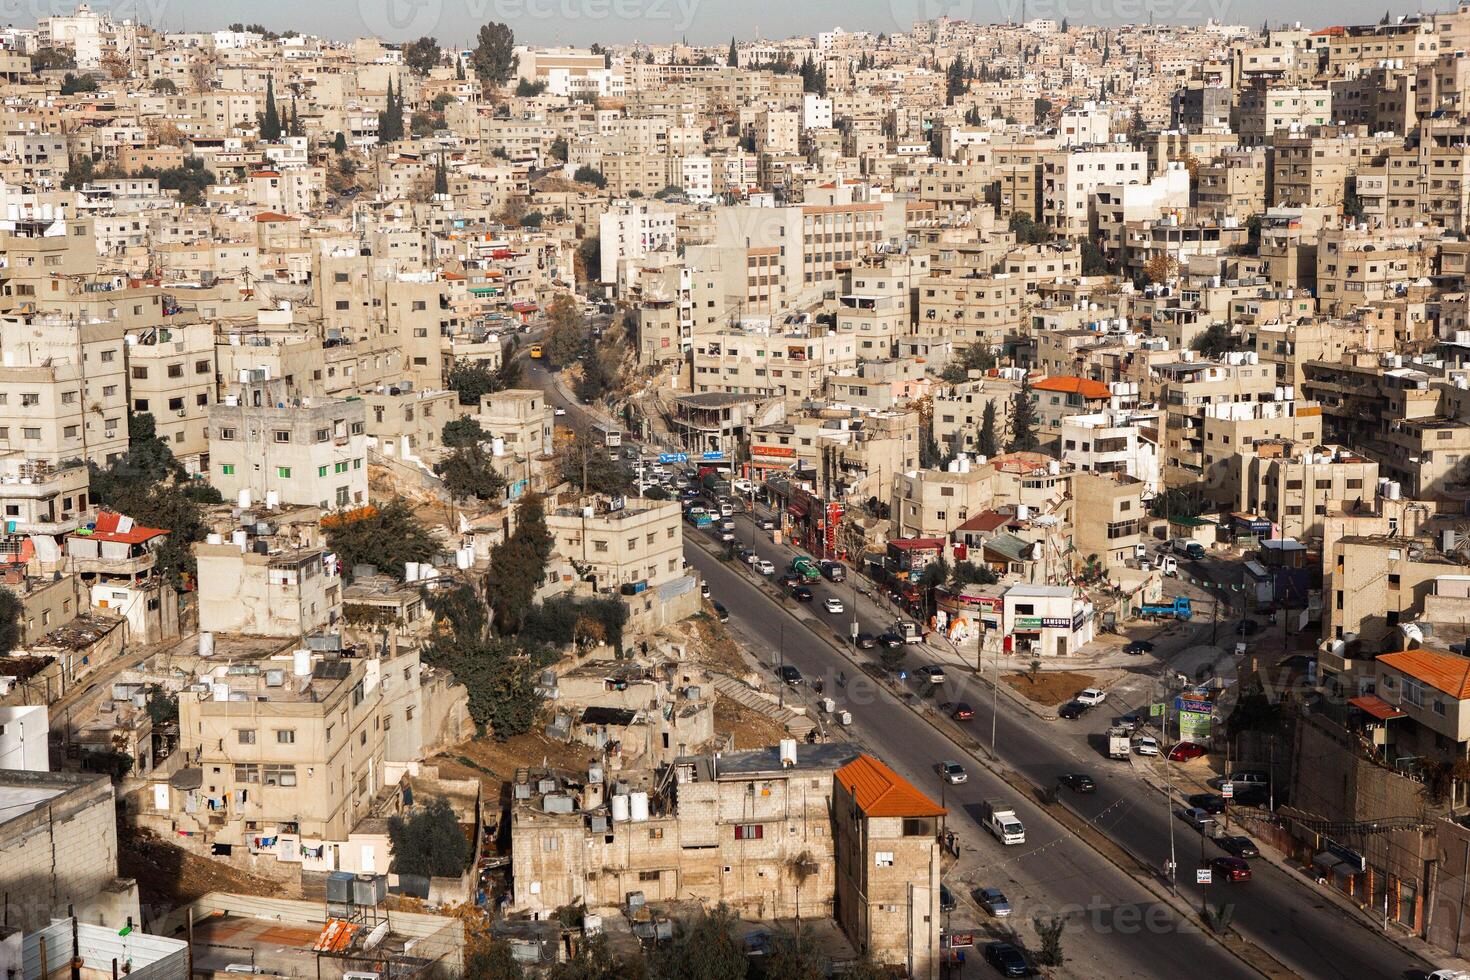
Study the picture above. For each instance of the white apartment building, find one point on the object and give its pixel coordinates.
(1114, 442)
(816, 112)
(1070, 178)
(631, 230)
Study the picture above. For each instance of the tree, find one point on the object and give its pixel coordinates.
(390, 120)
(704, 948)
(270, 120)
(590, 175)
(387, 535)
(74, 84)
(422, 55)
(528, 89)
(988, 443)
(1023, 419)
(1161, 268)
(52, 59)
(441, 177)
(340, 143)
(970, 573)
(1219, 339)
(469, 471)
(1094, 260)
(518, 565)
(1352, 205)
(1027, 231)
(190, 180)
(429, 842)
(494, 57)
(1137, 127)
(496, 961)
(11, 610)
(794, 958)
(164, 86)
(1041, 108)
(474, 379)
(462, 432)
(162, 705)
(587, 465)
(595, 960)
(1049, 930)
(559, 149)
(567, 335)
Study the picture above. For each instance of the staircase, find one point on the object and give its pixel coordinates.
(743, 694)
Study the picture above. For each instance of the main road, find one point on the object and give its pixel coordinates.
(1303, 929)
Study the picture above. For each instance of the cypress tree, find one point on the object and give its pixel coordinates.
(988, 443)
(1023, 420)
(270, 123)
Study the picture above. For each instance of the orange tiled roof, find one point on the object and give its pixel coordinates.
(881, 792)
(1447, 672)
(1074, 386)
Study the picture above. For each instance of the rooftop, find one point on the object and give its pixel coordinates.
(1443, 671)
(881, 792)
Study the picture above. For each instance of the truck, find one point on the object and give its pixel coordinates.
(1178, 607)
(1120, 742)
(714, 485)
(806, 568)
(908, 631)
(834, 571)
(1186, 548)
(999, 817)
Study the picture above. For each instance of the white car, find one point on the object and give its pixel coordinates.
(953, 772)
(1091, 696)
(932, 673)
(560, 411)
(834, 605)
(765, 567)
(1146, 746)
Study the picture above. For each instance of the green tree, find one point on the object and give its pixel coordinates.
(164, 86)
(494, 58)
(527, 89)
(10, 613)
(587, 465)
(1041, 108)
(595, 960)
(386, 535)
(1023, 419)
(390, 120)
(340, 143)
(518, 565)
(461, 432)
(566, 337)
(590, 175)
(971, 573)
(732, 57)
(1094, 260)
(1027, 231)
(704, 948)
(794, 958)
(441, 177)
(270, 120)
(1049, 930)
(495, 961)
(190, 180)
(1352, 204)
(1219, 339)
(422, 55)
(52, 59)
(74, 84)
(429, 842)
(162, 705)
(559, 149)
(988, 442)
(473, 379)
(469, 472)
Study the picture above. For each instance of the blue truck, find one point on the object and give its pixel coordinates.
(1177, 608)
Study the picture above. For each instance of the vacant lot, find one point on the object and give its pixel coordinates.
(1049, 687)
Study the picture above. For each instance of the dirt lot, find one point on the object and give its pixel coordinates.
(168, 876)
(750, 728)
(1049, 687)
(493, 762)
(714, 647)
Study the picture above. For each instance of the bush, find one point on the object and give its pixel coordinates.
(429, 842)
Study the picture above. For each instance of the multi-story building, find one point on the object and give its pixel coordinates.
(640, 542)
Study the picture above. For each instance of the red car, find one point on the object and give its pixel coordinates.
(1230, 869)
(963, 712)
(1185, 751)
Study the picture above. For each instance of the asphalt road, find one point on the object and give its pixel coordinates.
(1051, 872)
(1304, 930)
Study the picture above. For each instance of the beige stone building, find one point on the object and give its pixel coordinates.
(171, 376)
(640, 542)
(1291, 485)
(1108, 517)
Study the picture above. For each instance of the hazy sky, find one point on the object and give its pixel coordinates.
(702, 21)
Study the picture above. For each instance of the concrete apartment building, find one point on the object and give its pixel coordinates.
(959, 411)
(282, 448)
(932, 503)
(1263, 109)
(171, 376)
(633, 230)
(972, 308)
(886, 850)
(793, 366)
(878, 307)
(1291, 485)
(521, 418)
(258, 587)
(1232, 185)
(58, 846)
(1070, 178)
(640, 542)
(1115, 442)
(1188, 390)
(1108, 514)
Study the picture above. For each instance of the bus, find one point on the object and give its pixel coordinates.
(536, 351)
(609, 435)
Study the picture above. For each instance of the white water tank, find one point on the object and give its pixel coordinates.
(214, 537)
(1023, 512)
(301, 663)
(620, 808)
(243, 500)
(788, 752)
(410, 571)
(1054, 467)
(219, 692)
(1394, 490)
(638, 807)
(272, 499)
(240, 539)
(428, 572)
(464, 558)
(206, 644)
(497, 447)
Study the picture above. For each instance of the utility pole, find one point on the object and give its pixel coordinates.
(781, 662)
(994, 702)
(1173, 866)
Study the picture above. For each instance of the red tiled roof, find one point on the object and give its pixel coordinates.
(1376, 706)
(988, 521)
(1447, 672)
(881, 792)
(1074, 386)
(107, 529)
(904, 544)
(271, 216)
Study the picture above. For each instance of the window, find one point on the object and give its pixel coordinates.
(599, 546)
(245, 736)
(649, 875)
(227, 434)
(285, 736)
(140, 373)
(284, 472)
(279, 775)
(201, 367)
(176, 370)
(748, 831)
(247, 774)
(883, 859)
(228, 469)
(281, 435)
(1414, 692)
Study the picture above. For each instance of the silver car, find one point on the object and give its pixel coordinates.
(993, 900)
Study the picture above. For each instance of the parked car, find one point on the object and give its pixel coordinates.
(1255, 776)
(890, 640)
(866, 641)
(952, 772)
(993, 900)
(765, 567)
(1230, 869)
(1139, 646)
(1241, 847)
(1209, 802)
(1194, 816)
(748, 556)
(790, 674)
(962, 712)
(1078, 782)
(559, 411)
(802, 594)
(1185, 751)
(1147, 745)
(833, 605)
(1091, 696)
(932, 673)
(946, 899)
(767, 523)
(1006, 959)
(1073, 710)
(721, 613)
(791, 580)
(704, 589)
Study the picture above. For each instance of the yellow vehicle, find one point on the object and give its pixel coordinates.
(536, 351)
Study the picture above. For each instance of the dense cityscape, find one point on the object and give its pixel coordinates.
(959, 500)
